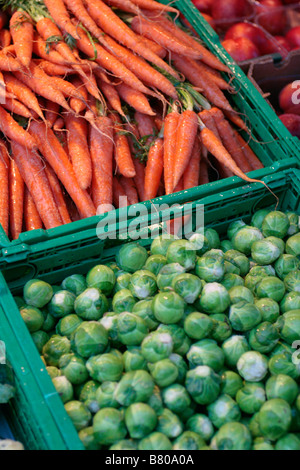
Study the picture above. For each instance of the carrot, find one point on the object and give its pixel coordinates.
(135, 99)
(111, 95)
(3, 19)
(204, 174)
(53, 69)
(156, 48)
(139, 178)
(8, 63)
(133, 137)
(77, 128)
(13, 131)
(154, 6)
(91, 86)
(43, 50)
(215, 76)
(57, 194)
(146, 126)
(4, 188)
(191, 174)
(61, 17)
(185, 139)
(54, 153)
(16, 198)
(52, 112)
(21, 29)
(5, 38)
(130, 190)
(69, 91)
(119, 196)
(154, 169)
(170, 131)
(249, 154)
(32, 220)
(15, 107)
(234, 117)
(123, 155)
(124, 5)
(115, 27)
(59, 124)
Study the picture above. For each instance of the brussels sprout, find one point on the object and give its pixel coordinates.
(140, 420)
(169, 424)
(258, 218)
(89, 338)
(132, 329)
(122, 281)
(109, 426)
(260, 443)
(75, 283)
(253, 366)
(101, 277)
(270, 287)
(64, 388)
(223, 410)
(278, 242)
(222, 329)
(144, 309)
(55, 348)
(164, 372)
(298, 403)
(285, 264)
(294, 223)
(231, 383)
(79, 414)
(244, 239)
(67, 325)
(239, 294)
(188, 286)
(214, 298)
(239, 260)
(123, 301)
(181, 365)
(110, 323)
(210, 268)
(253, 426)
(206, 353)
(161, 244)
(62, 304)
(244, 316)
(134, 359)
(292, 246)
(176, 398)
(131, 257)
(200, 243)
(73, 367)
(157, 346)
(282, 386)
(155, 401)
(288, 442)
(167, 274)
(226, 245)
(105, 367)
(231, 280)
(291, 301)
(282, 363)
(105, 395)
(168, 307)
(234, 227)
(232, 436)
(86, 435)
(125, 444)
(213, 237)
(275, 418)
(88, 395)
(265, 252)
(33, 318)
(143, 284)
(292, 281)
(188, 440)
(155, 263)
(269, 309)
(134, 386)
(91, 304)
(37, 293)
(177, 333)
(203, 384)
(289, 326)
(251, 397)
(155, 441)
(275, 224)
(233, 348)
(49, 322)
(182, 252)
(264, 337)
(53, 371)
(40, 338)
(198, 325)
(202, 425)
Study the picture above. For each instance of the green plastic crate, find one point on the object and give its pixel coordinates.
(37, 416)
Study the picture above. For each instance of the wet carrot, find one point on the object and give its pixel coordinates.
(16, 199)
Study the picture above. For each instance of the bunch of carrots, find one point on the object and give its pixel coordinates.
(107, 103)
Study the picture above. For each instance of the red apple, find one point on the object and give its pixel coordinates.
(241, 49)
(203, 5)
(293, 37)
(283, 42)
(289, 97)
(272, 16)
(292, 122)
(249, 31)
(290, 2)
(227, 12)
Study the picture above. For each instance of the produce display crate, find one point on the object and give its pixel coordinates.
(36, 415)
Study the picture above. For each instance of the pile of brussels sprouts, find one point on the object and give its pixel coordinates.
(187, 346)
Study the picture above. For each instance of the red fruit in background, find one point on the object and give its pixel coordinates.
(272, 16)
(188, 25)
(293, 37)
(203, 5)
(289, 97)
(249, 31)
(227, 12)
(241, 49)
(210, 20)
(290, 2)
(292, 122)
(283, 42)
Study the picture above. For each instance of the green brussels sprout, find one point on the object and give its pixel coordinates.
(251, 397)
(264, 337)
(176, 398)
(49, 322)
(134, 359)
(285, 264)
(122, 281)
(210, 268)
(260, 443)
(123, 301)
(258, 218)
(198, 325)
(298, 402)
(105, 367)
(55, 348)
(109, 321)
(253, 426)
(132, 329)
(231, 280)
(275, 418)
(230, 268)
(125, 444)
(33, 318)
(102, 278)
(177, 333)
(203, 384)
(265, 252)
(64, 388)
(226, 245)
(234, 227)
(241, 294)
(113, 265)
(40, 338)
(185, 346)
(134, 386)
(144, 309)
(294, 223)
(131, 257)
(289, 326)
(213, 237)
(232, 436)
(90, 338)
(222, 329)
(161, 244)
(269, 309)
(282, 363)
(164, 372)
(181, 365)
(231, 383)
(202, 425)
(188, 286)
(75, 283)
(206, 353)
(292, 246)
(233, 348)
(19, 301)
(169, 424)
(91, 304)
(270, 287)
(291, 301)
(157, 346)
(189, 440)
(73, 367)
(214, 298)
(79, 414)
(143, 284)
(239, 260)
(282, 386)
(288, 442)
(245, 237)
(86, 435)
(53, 371)
(182, 252)
(62, 304)
(155, 263)
(67, 325)
(168, 307)
(275, 224)
(244, 316)
(167, 274)
(223, 410)
(155, 401)
(88, 395)
(200, 243)
(105, 395)
(37, 293)
(155, 441)
(109, 426)
(292, 281)
(140, 420)
(253, 366)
